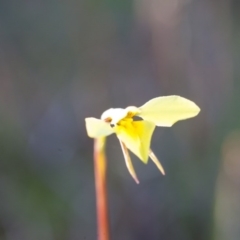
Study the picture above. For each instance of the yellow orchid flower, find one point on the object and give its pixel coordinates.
(136, 135)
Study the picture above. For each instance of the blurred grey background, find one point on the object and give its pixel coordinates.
(62, 61)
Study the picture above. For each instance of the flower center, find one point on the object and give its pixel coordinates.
(119, 116)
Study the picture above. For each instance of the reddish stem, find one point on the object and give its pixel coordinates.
(101, 190)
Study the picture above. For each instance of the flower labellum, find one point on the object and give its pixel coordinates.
(136, 135)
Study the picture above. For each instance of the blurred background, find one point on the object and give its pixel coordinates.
(62, 61)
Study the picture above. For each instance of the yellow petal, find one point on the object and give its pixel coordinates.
(156, 161)
(128, 162)
(136, 136)
(165, 111)
(97, 128)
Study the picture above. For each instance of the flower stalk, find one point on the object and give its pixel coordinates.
(101, 189)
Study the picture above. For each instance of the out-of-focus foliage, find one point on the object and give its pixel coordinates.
(62, 61)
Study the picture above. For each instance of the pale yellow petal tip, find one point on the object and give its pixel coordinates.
(195, 107)
(189, 106)
(198, 109)
(135, 179)
(157, 162)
